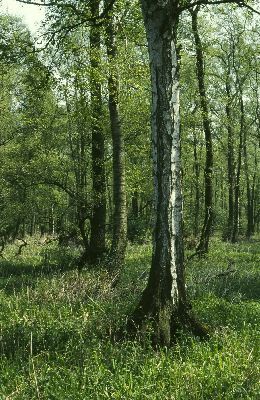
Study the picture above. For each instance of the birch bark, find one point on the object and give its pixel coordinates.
(163, 303)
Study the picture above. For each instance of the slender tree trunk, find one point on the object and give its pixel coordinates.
(32, 224)
(135, 206)
(51, 221)
(238, 172)
(208, 218)
(77, 203)
(119, 240)
(250, 192)
(248, 189)
(98, 219)
(163, 305)
(257, 208)
(197, 188)
(230, 157)
(254, 196)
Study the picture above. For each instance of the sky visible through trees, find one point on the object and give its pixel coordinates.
(32, 16)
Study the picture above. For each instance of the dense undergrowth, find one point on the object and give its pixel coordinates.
(56, 326)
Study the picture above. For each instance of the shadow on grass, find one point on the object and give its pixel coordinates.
(23, 340)
(219, 312)
(17, 274)
(49, 261)
(245, 287)
(9, 268)
(233, 287)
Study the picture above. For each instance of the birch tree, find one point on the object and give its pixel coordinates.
(163, 305)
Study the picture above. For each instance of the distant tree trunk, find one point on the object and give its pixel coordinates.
(254, 196)
(250, 191)
(133, 227)
(78, 200)
(32, 224)
(135, 207)
(98, 218)
(119, 239)
(257, 208)
(250, 210)
(208, 218)
(230, 157)
(163, 305)
(234, 236)
(197, 188)
(51, 221)
(256, 211)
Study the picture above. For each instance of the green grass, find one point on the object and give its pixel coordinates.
(52, 325)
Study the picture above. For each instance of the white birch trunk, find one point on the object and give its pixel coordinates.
(165, 292)
(166, 152)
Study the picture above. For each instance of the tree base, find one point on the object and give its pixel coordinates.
(162, 329)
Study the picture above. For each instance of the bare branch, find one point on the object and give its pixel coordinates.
(36, 3)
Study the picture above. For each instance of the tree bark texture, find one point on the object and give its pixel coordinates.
(230, 157)
(250, 189)
(119, 239)
(208, 217)
(234, 236)
(163, 303)
(197, 188)
(98, 219)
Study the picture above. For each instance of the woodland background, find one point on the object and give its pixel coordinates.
(76, 205)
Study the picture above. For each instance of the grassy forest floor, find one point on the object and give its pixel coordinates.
(52, 321)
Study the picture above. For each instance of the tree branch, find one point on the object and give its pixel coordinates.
(35, 3)
(240, 3)
(54, 3)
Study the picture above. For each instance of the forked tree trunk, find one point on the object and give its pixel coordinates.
(119, 239)
(163, 305)
(208, 217)
(98, 219)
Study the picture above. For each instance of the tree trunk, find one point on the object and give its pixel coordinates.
(254, 196)
(238, 172)
(135, 206)
(197, 188)
(163, 305)
(230, 157)
(98, 219)
(119, 240)
(257, 209)
(250, 192)
(78, 200)
(208, 218)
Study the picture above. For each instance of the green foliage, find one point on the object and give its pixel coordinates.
(56, 327)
